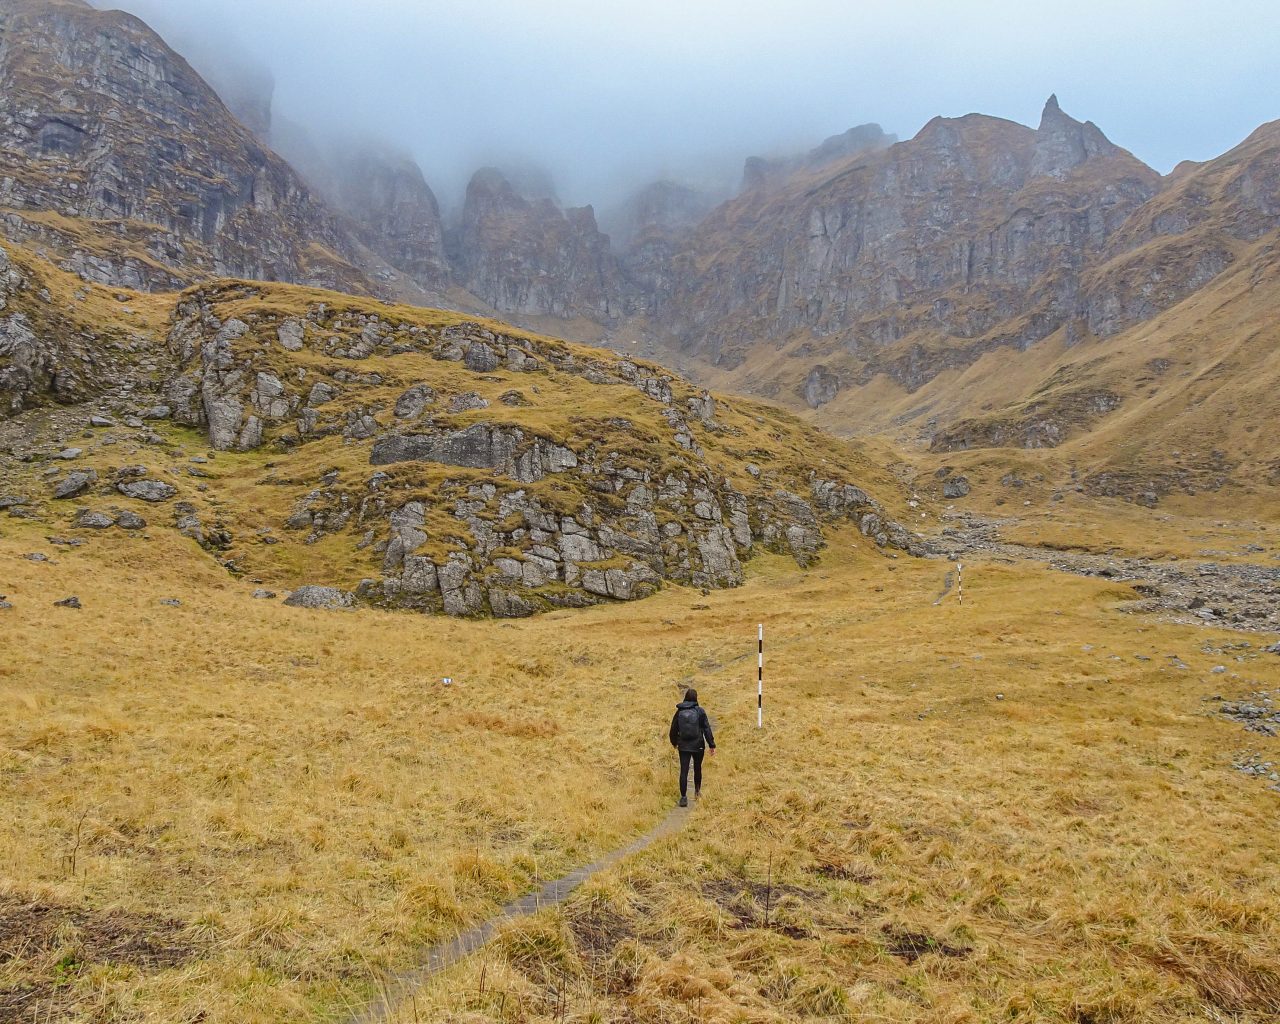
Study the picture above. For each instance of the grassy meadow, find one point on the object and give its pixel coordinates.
(1018, 809)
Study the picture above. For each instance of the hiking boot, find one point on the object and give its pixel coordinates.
(684, 802)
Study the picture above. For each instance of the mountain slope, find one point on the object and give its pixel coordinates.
(119, 160)
(1183, 403)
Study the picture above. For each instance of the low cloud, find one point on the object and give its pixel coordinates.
(607, 97)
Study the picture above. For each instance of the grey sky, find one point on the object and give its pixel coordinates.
(608, 96)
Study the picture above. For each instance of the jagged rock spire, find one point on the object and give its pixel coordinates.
(1063, 143)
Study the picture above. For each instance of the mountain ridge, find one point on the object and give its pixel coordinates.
(852, 283)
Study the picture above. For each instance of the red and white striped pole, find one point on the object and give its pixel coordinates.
(760, 679)
(960, 582)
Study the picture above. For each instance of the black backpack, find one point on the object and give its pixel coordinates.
(689, 725)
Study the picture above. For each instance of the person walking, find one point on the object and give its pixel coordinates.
(691, 736)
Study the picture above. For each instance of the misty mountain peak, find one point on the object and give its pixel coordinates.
(513, 185)
(489, 180)
(864, 138)
(859, 139)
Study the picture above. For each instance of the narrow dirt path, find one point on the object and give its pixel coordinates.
(398, 986)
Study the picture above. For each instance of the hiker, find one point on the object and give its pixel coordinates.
(691, 735)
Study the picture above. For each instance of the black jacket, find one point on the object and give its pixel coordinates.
(704, 729)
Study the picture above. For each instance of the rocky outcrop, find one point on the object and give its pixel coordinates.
(1062, 143)
(1187, 236)
(529, 257)
(521, 555)
(500, 448)
(50, 347)
(312, 596)
(820, 387)
(477, 507)
(648, 232)
(1042, 423)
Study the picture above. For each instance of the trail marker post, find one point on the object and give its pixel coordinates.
(760, 678)
(960, 582)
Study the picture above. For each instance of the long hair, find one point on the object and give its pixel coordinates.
(691, 694)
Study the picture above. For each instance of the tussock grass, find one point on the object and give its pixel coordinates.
(300, 794)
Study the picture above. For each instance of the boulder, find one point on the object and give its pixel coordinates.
(467, 401)
(87, 519)
(360, 425)
(291, 333)
(75, 484)
(956, 487)
(480, 358)
(312, 596)
(413, 403)
(127, 520)
(321, 393)
(419, 575)
(507, 604)
(269, 396)
(408, 533)
(147, 490)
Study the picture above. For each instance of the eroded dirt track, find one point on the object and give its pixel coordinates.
(397, 987)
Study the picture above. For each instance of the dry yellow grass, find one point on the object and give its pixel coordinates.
(306, 804)
(1078, 850)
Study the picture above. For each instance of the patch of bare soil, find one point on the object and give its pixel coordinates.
(31, 932)
(911, 946)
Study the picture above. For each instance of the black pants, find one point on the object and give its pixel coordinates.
(685, 757)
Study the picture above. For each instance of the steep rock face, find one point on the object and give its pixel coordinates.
(976, 230)
(651, 229)
(664, 207)
(492, 505)
(100, 120)
(527, 256)
(397, 213)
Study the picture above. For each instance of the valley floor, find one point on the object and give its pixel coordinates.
(1025, 808)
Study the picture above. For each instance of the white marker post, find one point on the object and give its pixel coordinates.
(960, 582)
(760, 679)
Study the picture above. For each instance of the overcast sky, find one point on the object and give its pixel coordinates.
(608, 95)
